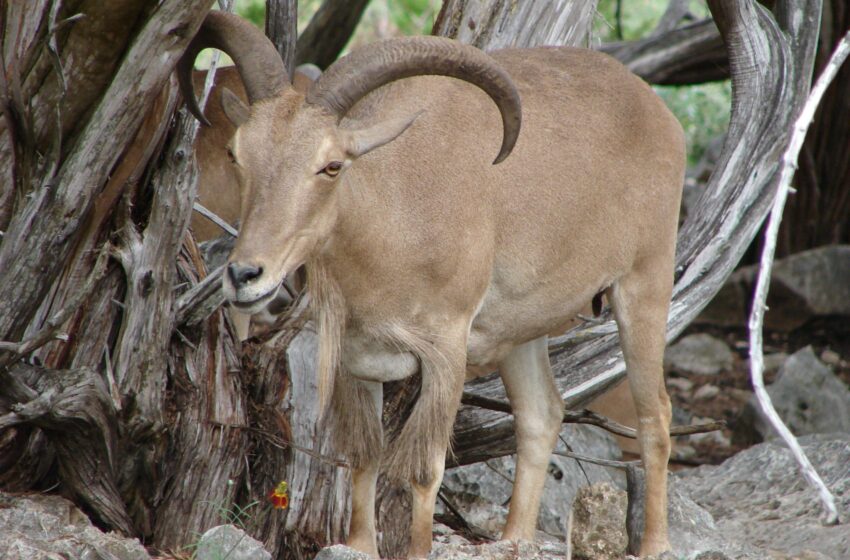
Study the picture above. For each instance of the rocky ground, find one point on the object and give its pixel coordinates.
(734, 494)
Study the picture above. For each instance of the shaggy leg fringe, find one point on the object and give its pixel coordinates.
(427, 432)
(356, 426)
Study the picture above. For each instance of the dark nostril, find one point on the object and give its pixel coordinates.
(242, 274)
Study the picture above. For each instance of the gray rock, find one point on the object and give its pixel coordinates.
(50, 527)
(809, 398)
(502, 550)
(773, 362)
(228, 542)
(482, 491)
(443, 535)
(830, 357)
(693, 532)
(706, 392)
(599, 523)
(805, 285)
(341, 552)
(682, 384)
(599, 530)
(701, 354)
(759, 498)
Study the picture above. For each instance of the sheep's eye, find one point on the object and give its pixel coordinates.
(230, 155)
(332, 169)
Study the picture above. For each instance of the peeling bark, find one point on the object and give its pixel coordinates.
(496, 24)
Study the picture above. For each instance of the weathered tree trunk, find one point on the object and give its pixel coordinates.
(496, 24)
(282, 29)
(819, 212)
(329, 31)
(144, 421)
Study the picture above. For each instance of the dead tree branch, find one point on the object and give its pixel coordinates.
(282, 29)
(71, 191)
(585, 416)
(690, 54)
(74, 409)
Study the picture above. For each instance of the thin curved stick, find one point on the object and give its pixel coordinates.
(789, 166)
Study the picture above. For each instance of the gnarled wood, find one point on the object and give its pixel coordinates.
(496, 24)
(684, 55)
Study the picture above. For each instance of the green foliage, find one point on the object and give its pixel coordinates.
(639, 17)
(413, 17)
(703, 110)
(405, 17)
(252, 10)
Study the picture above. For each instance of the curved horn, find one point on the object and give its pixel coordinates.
(256, 58)
(352, 77)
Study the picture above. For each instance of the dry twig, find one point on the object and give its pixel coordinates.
(589, 417)
(214, 218)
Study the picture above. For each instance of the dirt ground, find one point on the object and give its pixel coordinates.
(823, 334)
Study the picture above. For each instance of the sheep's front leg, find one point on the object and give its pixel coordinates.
(361, 531)
(418, 454)
(364, 478)
(424, 498)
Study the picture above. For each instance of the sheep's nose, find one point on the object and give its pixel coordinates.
(242, 274)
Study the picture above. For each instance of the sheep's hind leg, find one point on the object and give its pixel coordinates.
(640, 301)
(538, 412)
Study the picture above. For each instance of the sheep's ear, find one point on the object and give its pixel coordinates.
(365, 140)
(234, 108)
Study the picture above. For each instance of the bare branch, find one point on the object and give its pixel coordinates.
(589, 417)
(282, 29)
(789, 166)
(201, 301)
(595, 460)
(684, 55)
(215, 218)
